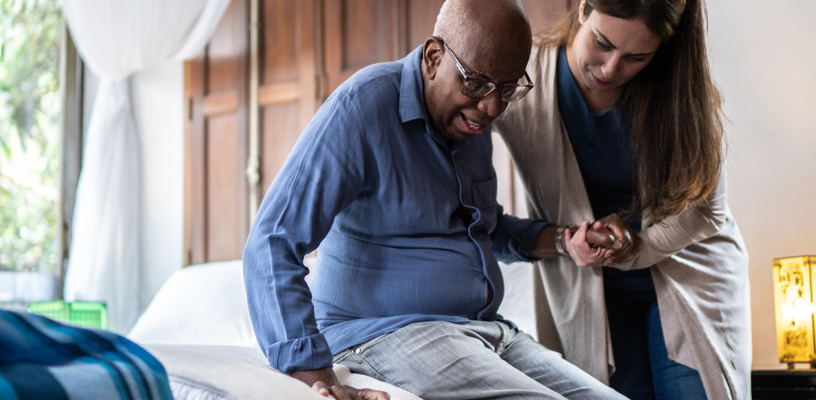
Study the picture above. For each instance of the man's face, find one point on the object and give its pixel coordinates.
(455, 115)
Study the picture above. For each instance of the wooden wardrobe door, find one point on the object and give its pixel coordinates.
(359, 33)
(421, 18)
(216, 226)
(288, 93)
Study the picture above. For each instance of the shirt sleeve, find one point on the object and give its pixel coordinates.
(323, 175)
(675, 233)
(514, 238)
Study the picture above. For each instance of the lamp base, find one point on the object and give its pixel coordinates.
(811, 365)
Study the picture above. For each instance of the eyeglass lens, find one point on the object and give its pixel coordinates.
(512, 93)
(478, 88)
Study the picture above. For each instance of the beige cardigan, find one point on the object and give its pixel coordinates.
(698, 260)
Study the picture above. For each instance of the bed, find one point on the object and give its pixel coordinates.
(198, 326)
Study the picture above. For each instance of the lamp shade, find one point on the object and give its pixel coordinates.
(793, 301)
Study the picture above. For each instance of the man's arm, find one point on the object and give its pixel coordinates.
(322, 176)
(318, 180)
(573, 236)
(516, 239)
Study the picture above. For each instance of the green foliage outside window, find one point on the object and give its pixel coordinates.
(30, 33)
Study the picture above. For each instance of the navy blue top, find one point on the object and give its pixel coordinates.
(602, 147)
(408, 225)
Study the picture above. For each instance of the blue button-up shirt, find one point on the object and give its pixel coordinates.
(408, 225)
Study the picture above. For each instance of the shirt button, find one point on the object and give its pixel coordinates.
(357, 351)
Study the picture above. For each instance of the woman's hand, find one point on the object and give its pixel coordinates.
(580, 250)
(629, 241)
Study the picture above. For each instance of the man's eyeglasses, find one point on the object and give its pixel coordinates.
(478, 88)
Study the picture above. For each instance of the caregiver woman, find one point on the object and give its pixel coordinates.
(625, 121)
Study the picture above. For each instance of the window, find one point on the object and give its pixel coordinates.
(30, 151)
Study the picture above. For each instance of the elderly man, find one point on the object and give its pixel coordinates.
(393, 180)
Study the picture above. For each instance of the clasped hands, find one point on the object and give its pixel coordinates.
(608, 241)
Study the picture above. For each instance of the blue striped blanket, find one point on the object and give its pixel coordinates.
(44, 359)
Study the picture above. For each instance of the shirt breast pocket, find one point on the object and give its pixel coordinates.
(484, 198)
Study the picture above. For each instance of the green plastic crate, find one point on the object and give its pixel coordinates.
(79, 313)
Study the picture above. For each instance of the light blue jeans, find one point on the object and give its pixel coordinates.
(480, 360)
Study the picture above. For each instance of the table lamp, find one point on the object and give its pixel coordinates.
(793, 301)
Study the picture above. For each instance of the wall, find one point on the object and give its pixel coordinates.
(764, 62)
(158, 98)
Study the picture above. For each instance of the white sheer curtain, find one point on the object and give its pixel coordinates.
(117, 38)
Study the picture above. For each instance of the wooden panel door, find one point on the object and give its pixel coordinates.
(421, 17)
(216, 225)
(288, 93)
(359, 33)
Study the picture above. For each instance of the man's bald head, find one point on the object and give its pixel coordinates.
(483, 24)
(491, 40)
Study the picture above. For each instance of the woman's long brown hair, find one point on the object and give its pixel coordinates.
(674, 106)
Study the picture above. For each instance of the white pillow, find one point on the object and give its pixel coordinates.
(202, 305)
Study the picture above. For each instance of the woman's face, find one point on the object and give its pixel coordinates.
(607, 52)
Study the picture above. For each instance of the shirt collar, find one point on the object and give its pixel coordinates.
(412, 90)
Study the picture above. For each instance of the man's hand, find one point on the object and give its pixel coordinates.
(600, 236)
(629, 243)
(325, 382)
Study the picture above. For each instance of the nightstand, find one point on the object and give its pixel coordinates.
(783, 384)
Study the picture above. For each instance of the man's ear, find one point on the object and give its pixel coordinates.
(431, 57)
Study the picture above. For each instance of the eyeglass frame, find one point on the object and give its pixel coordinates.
(495, 85)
